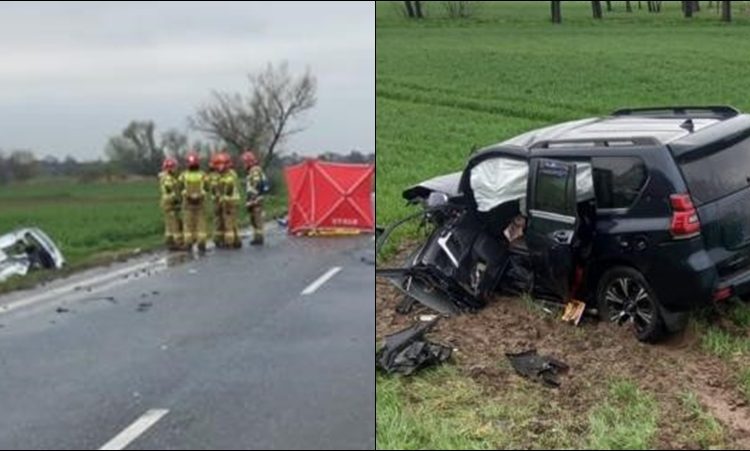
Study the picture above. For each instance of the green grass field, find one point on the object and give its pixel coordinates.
(92, 222)
(445, 86)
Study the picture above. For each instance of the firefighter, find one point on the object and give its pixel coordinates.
(213, 186)
(256, 184)
(230, 199)
(194, 184)
(169, 183)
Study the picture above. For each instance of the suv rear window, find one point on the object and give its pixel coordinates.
(718, 173)
(617, 180)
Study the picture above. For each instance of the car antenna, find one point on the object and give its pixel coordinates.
(688, 125)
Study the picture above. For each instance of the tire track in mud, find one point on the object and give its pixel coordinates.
(596, 352)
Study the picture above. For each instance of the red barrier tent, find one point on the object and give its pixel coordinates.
(329, 197)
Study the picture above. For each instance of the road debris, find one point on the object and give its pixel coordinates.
(573, 311)
(407, 351)
(62, 310)
(143, 306)
(536, 367)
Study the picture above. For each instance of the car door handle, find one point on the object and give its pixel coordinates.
(563, 236)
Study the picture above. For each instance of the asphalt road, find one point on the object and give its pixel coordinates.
(224, 352)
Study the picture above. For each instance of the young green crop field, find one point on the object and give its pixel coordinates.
(446, 86)
(93, 222)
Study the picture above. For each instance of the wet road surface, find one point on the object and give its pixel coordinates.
(220, 352)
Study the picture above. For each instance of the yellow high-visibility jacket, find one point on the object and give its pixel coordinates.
(194, 187)
(229, 186)
(169, 185)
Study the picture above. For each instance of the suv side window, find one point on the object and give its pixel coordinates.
(617, 180)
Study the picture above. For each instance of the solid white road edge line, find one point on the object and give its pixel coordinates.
(138, 427)
(321, 280)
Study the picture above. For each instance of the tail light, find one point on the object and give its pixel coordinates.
(685, 222)
(722, 294)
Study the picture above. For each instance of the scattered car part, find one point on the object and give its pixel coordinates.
(406, 305)
(537, 367)
(407, 351)
(27, 249)
(573, 311)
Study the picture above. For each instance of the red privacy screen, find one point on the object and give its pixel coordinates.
(330, 197)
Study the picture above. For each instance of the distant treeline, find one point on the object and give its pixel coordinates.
(21, 165)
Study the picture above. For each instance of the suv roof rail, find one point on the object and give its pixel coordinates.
(596, 142)
(710, 111)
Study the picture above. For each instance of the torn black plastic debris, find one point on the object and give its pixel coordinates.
(407, 351)
(536, 367)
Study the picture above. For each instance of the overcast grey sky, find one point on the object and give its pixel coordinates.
(74, 73)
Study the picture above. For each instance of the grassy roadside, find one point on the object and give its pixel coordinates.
(444, 409)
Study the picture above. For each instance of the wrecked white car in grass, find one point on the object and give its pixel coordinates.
(27, 249)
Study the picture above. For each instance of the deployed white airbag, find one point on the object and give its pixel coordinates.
(499, 180)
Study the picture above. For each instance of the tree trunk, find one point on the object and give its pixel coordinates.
(650, 6)
(628, 8)
(640, 7)
(657, 6)
(687, 8)
(609, 6)
(726, 11)
(409, 9)
(696, 6)
(596, 9)
(556, 13)
(418, 9)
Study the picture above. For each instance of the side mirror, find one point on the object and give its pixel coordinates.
(436, 199)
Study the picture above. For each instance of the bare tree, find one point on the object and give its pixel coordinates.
(726, 11)
(409, 9)
(262, 119)
(22, 164)
(135, 149)
(596, 9)
(174, 143)
(687, 8)
(654, 6)
(460, 9)
(556, 13)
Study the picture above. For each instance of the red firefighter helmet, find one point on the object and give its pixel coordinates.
(226, 160)
(215, 162)
(193, 160)
(169, 164)
(248, 157)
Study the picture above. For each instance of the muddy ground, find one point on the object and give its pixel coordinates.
(595, 351)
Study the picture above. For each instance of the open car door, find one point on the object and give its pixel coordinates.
(552, 221)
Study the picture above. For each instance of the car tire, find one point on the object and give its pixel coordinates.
(625, 297)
